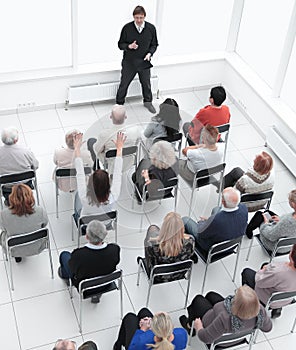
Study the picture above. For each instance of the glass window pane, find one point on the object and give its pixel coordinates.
(194, 26)
(288, 90)
(99, 27)
(35, 34)
(262, 33)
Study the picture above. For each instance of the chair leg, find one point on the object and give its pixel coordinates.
(191, 332)
(249, 251)
(80, 313)
(175, 195)
(50, 259)
(204, 280)
(72, 228)
(10, 271)
(121, 300)
(148, 294)
(57, 202)
(190, 204)
(188, 288)
(294, 324)
(115, 230)
(139, 271)
(236, 262)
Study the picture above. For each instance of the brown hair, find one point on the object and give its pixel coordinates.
(21, 200)
(98, 187)
(293, 254)
(139, 10)
(245, 303)
(263, 163)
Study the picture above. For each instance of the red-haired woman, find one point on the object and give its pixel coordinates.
(22, 216)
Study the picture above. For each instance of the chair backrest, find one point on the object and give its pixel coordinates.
(206, 176)
(223, 249)
(126, 151)
(228, 340)
(10, 179)
(179, 268)
(26, 238)
(174, 138)
(253, 198)
(83, 221)
(285, 242)
(88, 285)
(156, 190)
(280, 296)
(70, 172)
(223, 128)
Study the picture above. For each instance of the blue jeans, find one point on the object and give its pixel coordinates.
(191, 227)
(64, 261)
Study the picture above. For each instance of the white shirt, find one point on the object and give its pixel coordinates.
(140, 28)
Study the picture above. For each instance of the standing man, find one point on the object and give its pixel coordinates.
(138, 40)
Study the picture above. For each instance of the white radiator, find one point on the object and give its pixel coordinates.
(105, 91)
(284, 150)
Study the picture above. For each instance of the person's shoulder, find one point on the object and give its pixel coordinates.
(150, 25)
(128, 25)
(113, 246)
(180, 336)
(242, 208)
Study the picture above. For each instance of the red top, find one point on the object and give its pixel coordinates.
(208, 115)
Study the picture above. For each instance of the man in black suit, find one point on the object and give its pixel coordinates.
(138, 40)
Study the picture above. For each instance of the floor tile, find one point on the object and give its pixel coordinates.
(31, 120)
(9, 333)
(77, 115)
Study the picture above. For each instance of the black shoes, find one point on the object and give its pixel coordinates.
(95, 299)
(184, 323)
(275, 313)
(249, 233)
(150, 107)
(194, 258)
(18, 259)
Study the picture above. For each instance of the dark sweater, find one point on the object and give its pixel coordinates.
(146, 41)
(87, 263)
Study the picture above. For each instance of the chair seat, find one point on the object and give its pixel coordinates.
(204, 254)
(108, 288)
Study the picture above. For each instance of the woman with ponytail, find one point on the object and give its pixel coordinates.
(145, 331)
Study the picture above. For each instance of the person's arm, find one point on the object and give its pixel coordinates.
(212, 332)
(149, 129)
(123, 43)
(34, 162)
(80, 175)
(273, 231)
(140, 339)
(153, 43)
(266, 277)
(117, 174)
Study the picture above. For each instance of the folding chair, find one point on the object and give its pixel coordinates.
(92, 286)
(175, 140)
(224, 131)
(129, 151)
(25, 240)
(109, 218)
(217, 252)
(177, 271)
(206, 177)
(286, 242)
(261, 200)
(16, 178)
(66, 173)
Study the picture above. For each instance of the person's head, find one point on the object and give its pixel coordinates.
(171, 234)
(217, 95)
(162, 327)
(69, 138)
(230, 197)
(292, 199)
(88, 345)
(162, 155)
(118, 114)
(245, 303)
(9, 136)
(96, 232)
(65, 344)
(169, 114)
(98, 187)
(21, 200)
(139, 15)
(263, 163)
(292, 256)
(209, 135)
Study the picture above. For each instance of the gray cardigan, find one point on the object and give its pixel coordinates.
(271, 232)
(12, 224)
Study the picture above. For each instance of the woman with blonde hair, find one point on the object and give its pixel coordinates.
(22, 216)
(145, 331)
(167, 244)
(213, 315)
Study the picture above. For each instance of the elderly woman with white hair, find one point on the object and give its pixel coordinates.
(161, 165)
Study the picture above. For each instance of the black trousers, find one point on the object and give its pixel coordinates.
(90, 147)
(257, 220)
(248, 277)
(129, 325)
(201, 305)
(128, 72)
(231, 178)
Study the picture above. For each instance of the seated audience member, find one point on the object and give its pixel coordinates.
(227, 223)
(215, 114)
(161, 165)
(22, 216)
(214, 316)
(97, 197)
(260, 178)
(64, 158)
(65, 344)
(273, 277)
(14, 158)
(96, 258)
(165, 123)
(271, 230)
(145, 331)
(167, 244)
(88, 345)
(205, 155)
(106, 136)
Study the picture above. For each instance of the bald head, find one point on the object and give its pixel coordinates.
(230, 197)
(118, 114)
(65, 344)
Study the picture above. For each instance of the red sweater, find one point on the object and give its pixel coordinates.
(208, 115)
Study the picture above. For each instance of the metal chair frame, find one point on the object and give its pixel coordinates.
(226, 248)
(16, 178)
(89, 284)
(224, 130)
(207, 175)
(258, 197)
(166, 270)
(69, 173)
(175, 140)
(127, 151)
(25, 239)
(83, 221)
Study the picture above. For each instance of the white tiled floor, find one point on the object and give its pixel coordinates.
(40, 310)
